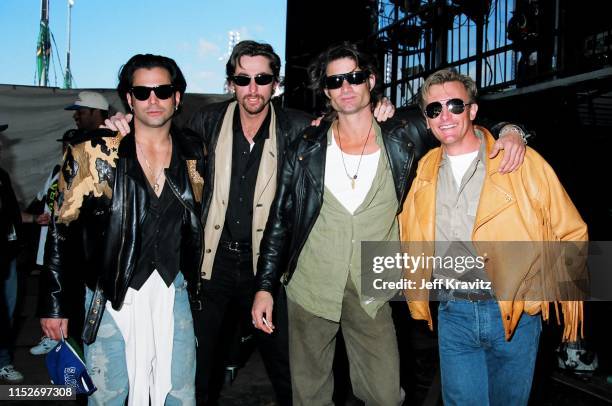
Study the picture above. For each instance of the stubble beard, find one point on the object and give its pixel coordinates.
(254, 109)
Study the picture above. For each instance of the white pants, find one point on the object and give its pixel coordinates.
(146, 322)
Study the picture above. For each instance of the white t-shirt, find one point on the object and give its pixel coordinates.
(460, 164)
(337, 181)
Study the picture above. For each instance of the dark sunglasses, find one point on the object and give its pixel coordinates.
(455, 106)
(261, 79)
(354, 78)
(162, 92)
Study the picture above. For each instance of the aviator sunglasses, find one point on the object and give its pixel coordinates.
(455, 106)
(353, 78)
(162, 92)
(261, 79)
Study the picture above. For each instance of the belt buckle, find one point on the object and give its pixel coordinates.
(476, 296)
(233, 246)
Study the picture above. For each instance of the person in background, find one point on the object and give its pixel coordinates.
(90, 110)
(10, 220)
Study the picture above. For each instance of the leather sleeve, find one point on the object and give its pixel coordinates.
(297, 121)
(204, 121)
(413, 124)
(275, 240)
(196, 124)
(52, 295)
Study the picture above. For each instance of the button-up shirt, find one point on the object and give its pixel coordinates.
(245, 166)
(332, 252)
(455, 215)
(160, 240)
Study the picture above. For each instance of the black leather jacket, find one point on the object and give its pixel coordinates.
(208, 120)
(110, 216)
(10, 217)
(299, 196)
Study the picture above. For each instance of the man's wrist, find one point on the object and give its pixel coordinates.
(516, 129)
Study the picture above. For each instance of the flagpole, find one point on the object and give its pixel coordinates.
(43, 45)
(68, 75)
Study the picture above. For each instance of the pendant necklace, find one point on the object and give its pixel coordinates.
(156, 178)
(353, 178)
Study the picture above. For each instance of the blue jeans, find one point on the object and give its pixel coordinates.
(478, 366)
(9, 296)
(105, 357)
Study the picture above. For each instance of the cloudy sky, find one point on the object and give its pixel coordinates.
(106, 33)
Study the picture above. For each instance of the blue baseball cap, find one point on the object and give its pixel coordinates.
(65, 367)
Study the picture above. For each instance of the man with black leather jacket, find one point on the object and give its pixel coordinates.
(246, 139)
(138, 199)
(341, 183)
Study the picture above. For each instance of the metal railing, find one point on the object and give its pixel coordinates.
(419, 37)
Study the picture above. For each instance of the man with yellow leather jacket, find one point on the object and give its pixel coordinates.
(488, 327)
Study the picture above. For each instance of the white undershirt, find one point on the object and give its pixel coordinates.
(339, 183)
(460, 164)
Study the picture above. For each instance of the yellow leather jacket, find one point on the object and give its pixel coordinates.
(529, 204)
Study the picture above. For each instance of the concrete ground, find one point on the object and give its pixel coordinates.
(252, 387)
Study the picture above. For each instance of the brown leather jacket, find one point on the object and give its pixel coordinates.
(529, 204)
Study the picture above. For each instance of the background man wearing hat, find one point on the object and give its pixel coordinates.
(90, 111)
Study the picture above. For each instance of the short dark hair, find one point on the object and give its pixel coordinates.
(317, 71)
(252, 48)
(149, 61)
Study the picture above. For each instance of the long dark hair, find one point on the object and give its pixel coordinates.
(317, 71)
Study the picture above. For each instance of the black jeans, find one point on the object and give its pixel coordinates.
(226, 305)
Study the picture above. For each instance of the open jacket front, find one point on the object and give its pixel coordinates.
(101, 204)
(214, 123)
(299, 196)
(529, 204)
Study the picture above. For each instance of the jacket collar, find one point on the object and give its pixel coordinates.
(184, 147)
(497, 188)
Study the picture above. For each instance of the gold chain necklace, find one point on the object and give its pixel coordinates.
(354, 177)
(156, 180)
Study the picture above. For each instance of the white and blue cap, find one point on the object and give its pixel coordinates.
(89, 100)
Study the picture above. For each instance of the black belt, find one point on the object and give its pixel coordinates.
(236, 246)
(472, 296)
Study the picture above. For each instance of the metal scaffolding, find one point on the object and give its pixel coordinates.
(419, 37)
